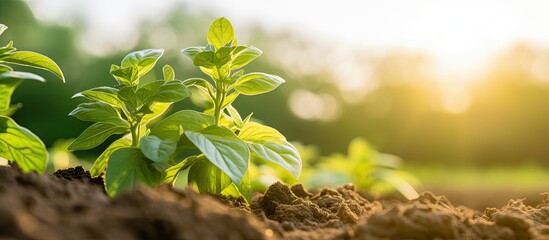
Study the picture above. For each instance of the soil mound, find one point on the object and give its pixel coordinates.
(48, 207)
(71, 205)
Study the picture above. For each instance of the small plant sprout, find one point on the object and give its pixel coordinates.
(126, 110)
(227, 141)
(18, 144)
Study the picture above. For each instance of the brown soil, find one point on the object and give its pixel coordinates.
(71, 205)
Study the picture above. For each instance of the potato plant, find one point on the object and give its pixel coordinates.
(155, 153)
(18, 144)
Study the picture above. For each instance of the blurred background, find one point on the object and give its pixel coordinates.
(459, 90)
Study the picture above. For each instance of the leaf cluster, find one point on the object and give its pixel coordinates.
(16, 142)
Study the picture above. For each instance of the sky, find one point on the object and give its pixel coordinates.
(461, 35)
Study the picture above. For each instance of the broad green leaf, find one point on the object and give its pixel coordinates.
(32, 59)
(21, 76)
(102, 94)
(168, 176)
(208, 177)
(223, 148)
(95, 135)
(22, 146)
(157, 110)
(244, 55)
(268, 144)
(191, 52)
(100, 163)
(169, 128)
(156, 149)
(257, 83)
(173, 91)
(220, 33)
(9, 82)
(146, 92)
(204, 59)
(127, 95)
(168, 73)
(126, 168)
(98, 112)
(223, 56)
(256, 132)
(234, 115)
(124, 76)
(143, 61)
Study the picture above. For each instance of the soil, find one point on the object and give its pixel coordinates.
(71, 205)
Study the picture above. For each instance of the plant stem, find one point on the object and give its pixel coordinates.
(135, 134)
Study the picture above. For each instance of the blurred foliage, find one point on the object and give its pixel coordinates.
(369, 170)
(397, 106)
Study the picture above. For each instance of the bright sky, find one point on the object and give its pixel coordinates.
(461, 35)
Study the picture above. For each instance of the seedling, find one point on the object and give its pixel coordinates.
(18, 144)
(154, 154)
(126, 109)
(227, 141)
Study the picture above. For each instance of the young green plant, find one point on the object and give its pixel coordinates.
(18, 144)
(226, 141)
(127, 109)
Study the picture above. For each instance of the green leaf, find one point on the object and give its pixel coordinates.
(191, 52)
(36, 60)
(200, 83)
(3, 28)
(156, 149)
(157, 110)
(208, 177)
(22, 146)
(229, 99)
(223, 56)
(169, 128)
(11, 110)
(168, 72)
(143, 61)
(220, 33)
(100, 163)
(268, 144)
(235, 115)
(244, 55)
(169, 175)
(243, 189)
(102, 94)
(9, 82)
(257, 83)
(4, 68)
(223, 148)
(125, 76)
(146, 92)
(127, 95)
(204, 59)
(173, 91)
(95, 135)
(126, 168)
(98, 112)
